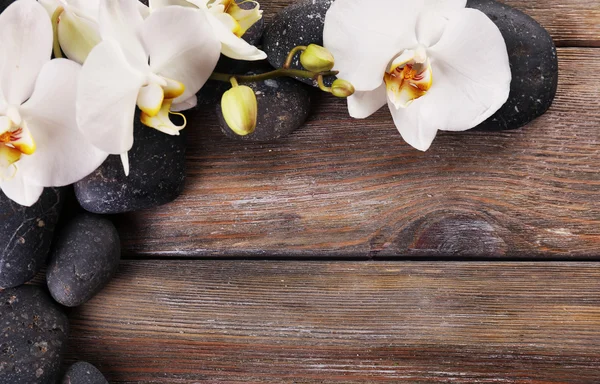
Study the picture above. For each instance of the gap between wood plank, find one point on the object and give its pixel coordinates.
(412, 259)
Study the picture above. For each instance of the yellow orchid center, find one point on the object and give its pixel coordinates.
(409, 77)
(15, 141)
(238, 19)
(155, 100)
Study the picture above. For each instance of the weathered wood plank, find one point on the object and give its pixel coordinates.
(352, 188)
(570, 22)
(345, 322)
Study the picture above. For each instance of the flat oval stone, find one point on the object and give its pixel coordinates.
(533, 62)
(25, 236)
(85, 257)
(299, 24)
(283, 106)
(4, 4)
(157, 175)
(33, 337)
(83, 373)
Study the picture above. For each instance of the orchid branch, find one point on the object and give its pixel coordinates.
(290, 57)
(282, 72)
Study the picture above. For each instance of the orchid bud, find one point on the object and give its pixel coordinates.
(77, 36)
(342, 88)
(240, 109)
(317, 59)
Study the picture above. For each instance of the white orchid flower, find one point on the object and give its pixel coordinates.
(155, 63)
(78, 31)
(77, 25)
(40, 144)
(229, 22)
(437, 64)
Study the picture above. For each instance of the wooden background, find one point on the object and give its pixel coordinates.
(280, 261)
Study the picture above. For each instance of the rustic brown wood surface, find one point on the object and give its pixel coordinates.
(344, 322)
(352, 188)
(341, 188)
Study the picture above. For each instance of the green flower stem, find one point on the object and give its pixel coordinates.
(271, 75)
(291, 55)
(322, 85)
(56, 44)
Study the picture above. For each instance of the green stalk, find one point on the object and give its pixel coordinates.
(271, 75)
(291, 55)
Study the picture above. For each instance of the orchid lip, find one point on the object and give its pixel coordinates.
(155, 100)
(14, 133)
(409, 77)
(9, 156)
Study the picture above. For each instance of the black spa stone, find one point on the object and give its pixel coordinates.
(25, 236)
(283, 106)
(299, 24)
(157, 175)
(85, 257)
(83, 373)
(533, 62)
(33, 337)
(4, 4)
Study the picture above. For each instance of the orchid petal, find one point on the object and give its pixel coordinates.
(26, 45)
(185, 104)
(231, 45)
(173, 89)
(471, 72)
(106, 98)
(119, 21)
(433, 19)
(63, 155)
(77, 36)
(50, 5)
(143, 9)
(157, 4)
(444, 6)
(471, 76)
(430, 27)
(364, 39)
(363, 104)
(413, 124)
(226, 19)
(188, 57)
(244, 18)
(85, 8)
(203, 4)
(150, 99)
(125, 162)
(21, 192)
(6, 125)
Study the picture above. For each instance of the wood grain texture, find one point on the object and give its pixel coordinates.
(353, 188)
(343, 322)
(570, 22)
